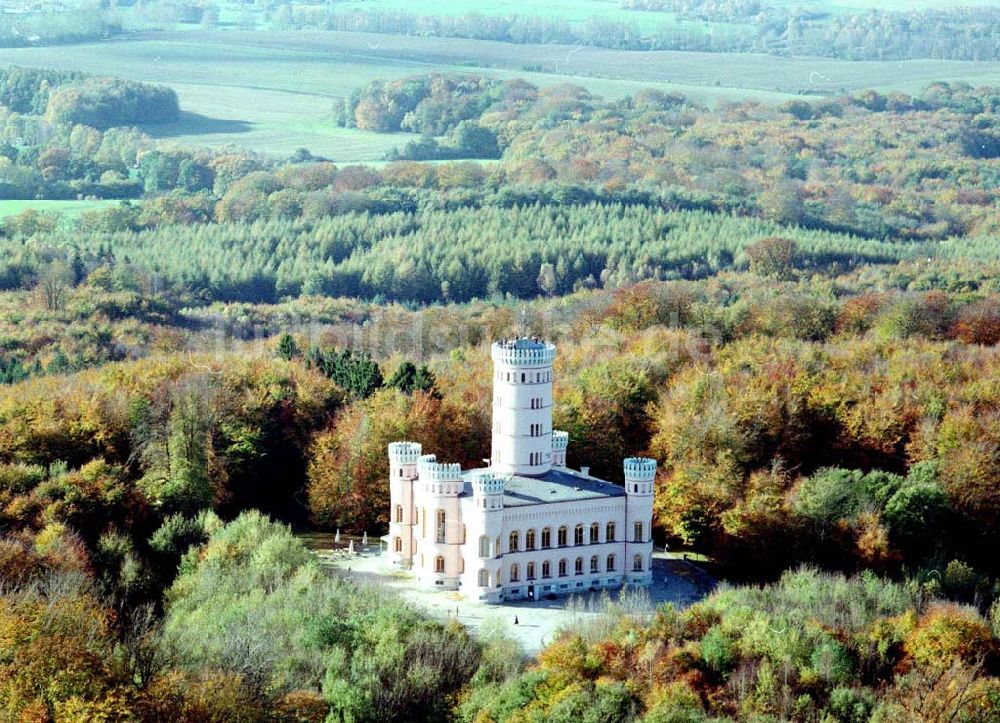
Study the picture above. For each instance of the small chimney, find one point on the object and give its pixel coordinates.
(585, 471)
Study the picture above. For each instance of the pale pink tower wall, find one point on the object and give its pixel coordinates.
(436, 492)
(403, 458)
(522, 407)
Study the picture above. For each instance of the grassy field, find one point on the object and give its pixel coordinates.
(63, 208)
(275, 91)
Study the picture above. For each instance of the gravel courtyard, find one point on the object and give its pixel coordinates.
(674, 580)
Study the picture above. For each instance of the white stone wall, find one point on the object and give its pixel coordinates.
(554, 516)
(468, 515)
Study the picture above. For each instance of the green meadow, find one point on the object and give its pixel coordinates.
(275, 91)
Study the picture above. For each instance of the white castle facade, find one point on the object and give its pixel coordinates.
(525, 527)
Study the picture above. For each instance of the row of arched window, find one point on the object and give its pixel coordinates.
(531, 568)
(581, 536)
(562, 569)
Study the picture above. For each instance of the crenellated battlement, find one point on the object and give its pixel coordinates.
(560, 440)
(430, 470)
(640, 469)
(523, 352)
(404, 452)
(487, 483)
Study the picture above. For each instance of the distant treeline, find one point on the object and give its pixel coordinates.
(954, 34)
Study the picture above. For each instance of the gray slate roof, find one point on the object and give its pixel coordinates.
(556, 485)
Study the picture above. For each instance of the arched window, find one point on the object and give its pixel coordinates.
(609, 534)
(461, 565)
(594, 564)
(484, 578)
(423, 522)
(500, 576)
(637, 563)
(578, 567)
(563, 531)
(546, 569)
(578, 535)
(531, 571)
(546, 537)
(438, 564)
(611, 563)
(512, 542)
(399, 513)
(484, 546)
(529, 540)
(463, 534)
(562, 568)
(638, 532)
(595, 533)
(397, 544)
(496, 548)
(439, 526)
(515, 573)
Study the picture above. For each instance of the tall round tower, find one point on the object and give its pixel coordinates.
(640, 478)
(522, 406)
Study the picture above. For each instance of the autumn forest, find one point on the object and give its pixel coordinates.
(793, 306)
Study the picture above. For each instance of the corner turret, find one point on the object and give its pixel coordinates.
(640, 480)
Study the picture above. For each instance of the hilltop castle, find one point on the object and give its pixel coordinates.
(525, 527)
